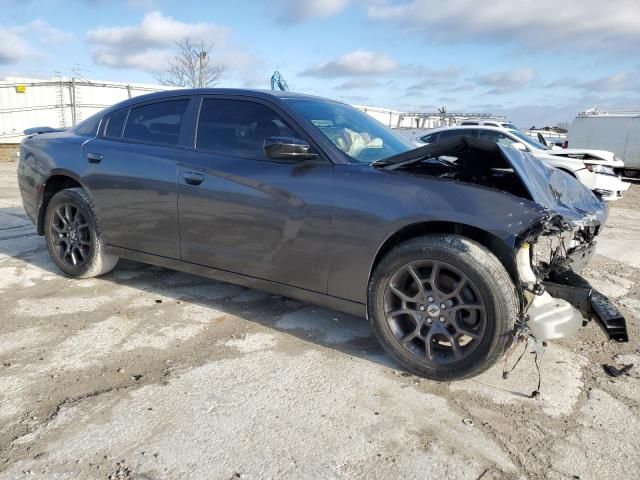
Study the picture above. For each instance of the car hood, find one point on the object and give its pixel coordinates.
(483, 163)
(556, 190)
(602, 157)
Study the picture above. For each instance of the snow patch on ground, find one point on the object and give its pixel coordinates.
(252, 342)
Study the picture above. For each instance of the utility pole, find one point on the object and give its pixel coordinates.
(202, 56)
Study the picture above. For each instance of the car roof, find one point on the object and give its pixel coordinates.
(467, 127)
(181, 92)
(481, 122)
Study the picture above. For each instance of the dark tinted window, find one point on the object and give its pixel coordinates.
(157, 122)
(238, 127)
(456, 134)
(431, 138)
(114, 124)
(88, 126)
(495, 136)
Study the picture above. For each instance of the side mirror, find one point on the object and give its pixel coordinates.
(542, 140)
(285, 148)
(519, 146)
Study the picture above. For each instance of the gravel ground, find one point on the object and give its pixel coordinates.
(147, 373)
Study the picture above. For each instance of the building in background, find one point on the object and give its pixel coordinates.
(57, 102)
(61, 102)
(422, 120)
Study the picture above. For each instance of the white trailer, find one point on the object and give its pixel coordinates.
(618, 132)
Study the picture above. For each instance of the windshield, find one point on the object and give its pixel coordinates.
(528, 140)
(510, 126)
(360, 136)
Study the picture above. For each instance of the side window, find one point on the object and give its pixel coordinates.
(498, 137)
(238, 127)
(89, 126)
(113, 124)
(447, 134)
(431, 138)
(156, 122)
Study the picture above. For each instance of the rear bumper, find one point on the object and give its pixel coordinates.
(593, 305)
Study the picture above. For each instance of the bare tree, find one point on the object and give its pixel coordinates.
(192, 66)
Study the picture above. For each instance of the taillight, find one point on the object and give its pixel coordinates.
(565, 144)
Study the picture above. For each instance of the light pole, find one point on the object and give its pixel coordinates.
(202, 56)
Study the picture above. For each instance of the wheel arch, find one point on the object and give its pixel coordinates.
(569, 171)
(57, 181)
(501, 249)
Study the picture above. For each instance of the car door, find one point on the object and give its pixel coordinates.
(245, 213)
(131, 176)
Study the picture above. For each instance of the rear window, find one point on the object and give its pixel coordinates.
(431, 138)
(89, 126)
(114, 124)
(156, 122)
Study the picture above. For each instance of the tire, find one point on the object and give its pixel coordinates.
(73, 235)
(479, 303)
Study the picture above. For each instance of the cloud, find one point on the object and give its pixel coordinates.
(150, 45)
(355, 63)
(617, 82)
(562, 82)
(614, 83)
(584, 25)
(359, 83)
(44, 33)
(432, 77)
(14, 46)
(506, 82)
(155, 31)
(295, 11)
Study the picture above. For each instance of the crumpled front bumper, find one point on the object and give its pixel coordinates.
(563, 302)
(574, 289)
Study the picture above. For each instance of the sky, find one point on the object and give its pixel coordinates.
(539, 62)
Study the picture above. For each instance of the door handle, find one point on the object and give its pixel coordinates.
(193, 178)
(94, 157)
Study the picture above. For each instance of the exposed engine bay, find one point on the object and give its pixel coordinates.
(478, 162)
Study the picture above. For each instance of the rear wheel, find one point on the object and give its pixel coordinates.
(443, 306)
(73, 236)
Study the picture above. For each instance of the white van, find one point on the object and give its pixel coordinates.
(618, 132)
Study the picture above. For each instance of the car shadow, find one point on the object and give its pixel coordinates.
(331, 329)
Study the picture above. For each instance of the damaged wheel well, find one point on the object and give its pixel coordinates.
(53, 185)
(495, 245)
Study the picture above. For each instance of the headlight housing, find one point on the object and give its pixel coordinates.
(596, 168)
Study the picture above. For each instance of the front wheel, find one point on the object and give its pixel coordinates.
(73, 235)
(443, 306)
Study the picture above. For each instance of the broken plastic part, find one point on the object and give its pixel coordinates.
(548, 317)
(617, 372)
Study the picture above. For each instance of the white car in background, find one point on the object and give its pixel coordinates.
(488, 123)
(594, 168)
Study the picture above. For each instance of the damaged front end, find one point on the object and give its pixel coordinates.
(557, 301)
(549, 253)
